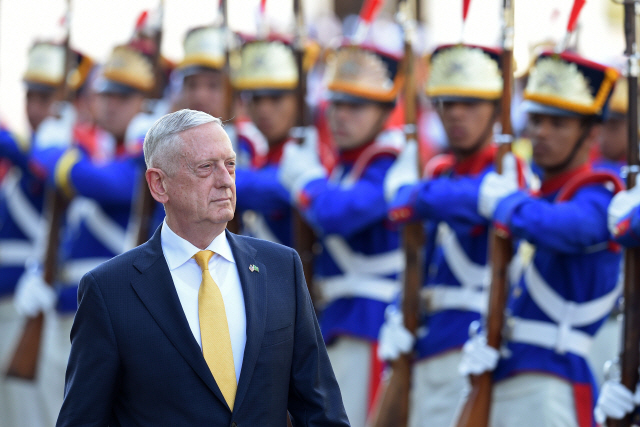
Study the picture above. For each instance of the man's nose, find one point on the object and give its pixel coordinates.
(224, 178)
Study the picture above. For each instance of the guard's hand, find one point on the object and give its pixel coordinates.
(478, 357)
(495, 187)
(404, 171)
(141, 123)
(615, 401)
(56, 131)
(620, 206)
(394, 339)
(300, 163)
(33, 295)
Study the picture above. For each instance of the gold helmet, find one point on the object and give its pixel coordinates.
(265, 66)
(127, 70)
(464, 72)
(204, 47)
(566, 84)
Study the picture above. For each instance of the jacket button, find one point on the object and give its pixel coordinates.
(234, 424)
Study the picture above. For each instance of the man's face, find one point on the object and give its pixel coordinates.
(353, 125)
(205, 91)
(114, 111)
(38, 106)
(553, 138)
(274, 115)
(466, 123)
(613, 139)
(201, 190)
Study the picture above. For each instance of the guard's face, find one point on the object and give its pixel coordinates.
(553, 138)
(613, 139)
(353, 125)
(39, 106)
(205, 91)
(274, 115)
(465, 123)
(114, 111)
(201, 191)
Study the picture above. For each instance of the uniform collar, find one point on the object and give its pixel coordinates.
(275, 153)
(177, 250)
(553, 185)
(477, 162)
(351, 155)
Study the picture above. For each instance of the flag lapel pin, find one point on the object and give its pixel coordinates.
(254, 268)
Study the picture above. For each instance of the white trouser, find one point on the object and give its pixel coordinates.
(436, 391)
(606, 346)
(56, 346)
(351, 362)
(533, 400)
(19, 400)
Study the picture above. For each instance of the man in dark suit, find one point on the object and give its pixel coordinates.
(198, 326)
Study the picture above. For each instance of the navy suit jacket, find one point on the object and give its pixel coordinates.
(135, 362)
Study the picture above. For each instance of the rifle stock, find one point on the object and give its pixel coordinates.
(145, 203)
(393, 407)
(630, 353)
(477, 408)
(24, 363)
(303, 235)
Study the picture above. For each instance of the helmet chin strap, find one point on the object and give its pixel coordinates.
(563, 164)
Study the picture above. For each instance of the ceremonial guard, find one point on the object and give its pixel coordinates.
(21, 224)
(465, 86)
(565, 274)
(267, 78)
(98, 172)
(357, 272)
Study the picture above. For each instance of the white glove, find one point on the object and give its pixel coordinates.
(495, 187)
(33, 295)
(478, 357)
(394, 339)
(57, 131)
(615, 401)
(621, 205)
(300, 164)
(404, 171)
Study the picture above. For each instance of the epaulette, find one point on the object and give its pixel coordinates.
(438, 165)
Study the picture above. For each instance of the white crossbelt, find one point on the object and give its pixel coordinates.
(73, 270)
(472, 295)
(351, 262)
(351, 286)
(443, 297)
(15, 252)
(103, 228)
(256, 225)
(560, 336)
(22, 211)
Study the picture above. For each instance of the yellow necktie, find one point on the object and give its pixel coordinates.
(214, 331)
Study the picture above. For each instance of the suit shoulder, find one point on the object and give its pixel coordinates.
(120, 264)
(261, 245)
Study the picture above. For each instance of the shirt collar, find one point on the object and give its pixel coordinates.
(553, 185)
(177, 250)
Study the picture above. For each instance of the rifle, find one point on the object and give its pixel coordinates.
(303, 236)
(145, 204)
(393, 409)
(630, 356)
(477, 408)
(24, 363)
(235, 224)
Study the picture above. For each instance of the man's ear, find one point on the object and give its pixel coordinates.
(156, 181)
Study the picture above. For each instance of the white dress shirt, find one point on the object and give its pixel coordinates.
(187, 276)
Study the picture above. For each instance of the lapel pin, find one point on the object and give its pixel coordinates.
(254, 268)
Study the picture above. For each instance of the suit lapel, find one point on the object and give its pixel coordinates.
(254, 289)
(157, 292)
